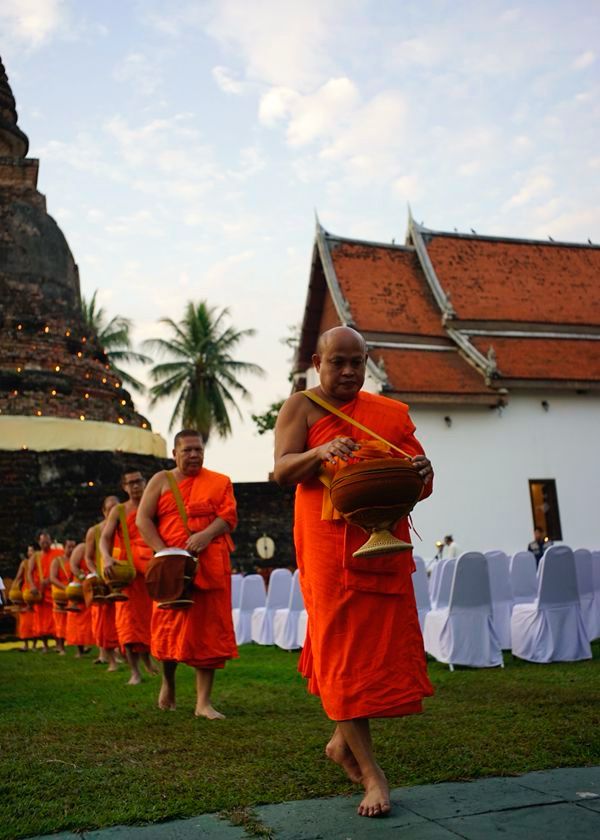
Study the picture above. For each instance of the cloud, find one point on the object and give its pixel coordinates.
(140, 72)
(536, 184)
(31, 22)
(407, 187)
(226, 81)
(584, 60)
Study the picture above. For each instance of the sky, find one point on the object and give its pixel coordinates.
(185, 147)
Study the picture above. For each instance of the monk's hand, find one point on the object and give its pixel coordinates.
(197, 542)
(424, 467)
(339, 447)
(107, 566)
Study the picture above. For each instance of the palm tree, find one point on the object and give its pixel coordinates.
(114, 337)
(203, 373)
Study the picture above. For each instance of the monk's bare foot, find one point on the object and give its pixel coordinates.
(338, 751)
(152, 670)
(112, 667)
(134, 679)
(209, 712)
(166, 698)
(376, 801)
(99, 661)
(62, 653)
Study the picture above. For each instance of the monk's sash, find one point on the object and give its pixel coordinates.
(126, 539)
(40, 571)
(174, 487)
(97, 533)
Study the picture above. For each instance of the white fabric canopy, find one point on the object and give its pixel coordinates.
(523, 577)
(463, 632)
(253, 595)
(278, 595)
(285, 621)
(551, 629)
(501, 592)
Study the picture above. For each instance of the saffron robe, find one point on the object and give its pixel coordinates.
(43, 623)
(133, 616)
(26, 621)
(60, 616)
(363, 653)
(201, 635)
(104, 627)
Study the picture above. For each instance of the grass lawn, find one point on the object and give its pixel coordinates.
(81, 750)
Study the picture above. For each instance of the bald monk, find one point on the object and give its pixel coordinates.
(60, 575)
(38, 578)
(79, 624)
(25, 630)
(133, 616)
(364, 652)
(201, 635)
(104, 627)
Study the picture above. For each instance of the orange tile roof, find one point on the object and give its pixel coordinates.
(431, 372)
(517, 280)
(385, 288)
(544, 358)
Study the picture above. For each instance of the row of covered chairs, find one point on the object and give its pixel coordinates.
(476, 613)
(273, 616)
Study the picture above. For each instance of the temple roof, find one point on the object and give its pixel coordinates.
(460, 318)
(13, 142)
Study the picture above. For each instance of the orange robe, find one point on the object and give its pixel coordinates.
(60, 616)
(26, 629)
(43, 623)
(79, 624)
(363, 653)
(104, 627)
(201, 635)
(133, 616)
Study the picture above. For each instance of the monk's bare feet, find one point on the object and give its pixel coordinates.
(166, 698)
(209, 712)
(338, 751)
(134, 679)
(112, 667)
(376, 801)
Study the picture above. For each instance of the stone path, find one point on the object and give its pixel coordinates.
(545, 805)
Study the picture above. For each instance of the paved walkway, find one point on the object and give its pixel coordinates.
(545, 805)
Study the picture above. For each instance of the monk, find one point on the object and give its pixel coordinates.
(38, 578)
(79, 623)
(60, 575)
(363, 653)
(25, 630)
(104, 627)
(134, 615)
(201, 635)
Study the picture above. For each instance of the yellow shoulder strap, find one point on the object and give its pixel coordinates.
(125, 533)
(97, 532)
(178, 498)
(324, 404)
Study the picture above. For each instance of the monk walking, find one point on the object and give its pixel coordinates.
(201, 635)
(104, 627)
(133, 616)
(79, 623)
(38, 578)
(60, 575)
(363, 653)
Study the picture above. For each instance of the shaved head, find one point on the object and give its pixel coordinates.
(335, 334)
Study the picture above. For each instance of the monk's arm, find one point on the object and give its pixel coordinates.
(293, 462)
(147, 511)
(75, 561)
(54, 578)
(90, 550)
(106, 541)
(29, 564)
(198, 541)
(19, 577)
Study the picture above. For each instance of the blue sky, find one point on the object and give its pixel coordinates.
(185, 146)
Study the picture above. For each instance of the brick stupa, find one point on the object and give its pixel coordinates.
(67, 426)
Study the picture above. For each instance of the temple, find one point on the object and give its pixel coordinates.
(495, 344)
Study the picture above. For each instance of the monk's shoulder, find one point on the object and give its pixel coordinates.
(216, 479)
(381, 403)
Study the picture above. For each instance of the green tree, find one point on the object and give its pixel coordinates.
(202, 375)
(115, 339)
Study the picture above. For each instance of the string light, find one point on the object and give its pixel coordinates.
(123, 402)
(19, 370)
(117, 384)
(104, 380)
(53, 392)
(87, 376)
(83, 340)
(24, 446)
(19, 326)
(86, 395)
(90, 483)
(15, 393)
(144, 425)
(57, 368)
(46, 329)
(79, 354)
(120, 420)
(39, 413)
(82, 416)
(68, 333)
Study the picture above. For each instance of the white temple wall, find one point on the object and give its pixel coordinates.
(485, 459)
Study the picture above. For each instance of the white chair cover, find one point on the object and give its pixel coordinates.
(523, 577)
(302, 624)
(236, 590)
(502, 600)
(463, 632)
(434, 581)
(552, 629)
(590, 606)
(444, 584)
(278, 596)
(285, 621)
(421, 590)
(253, 595)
